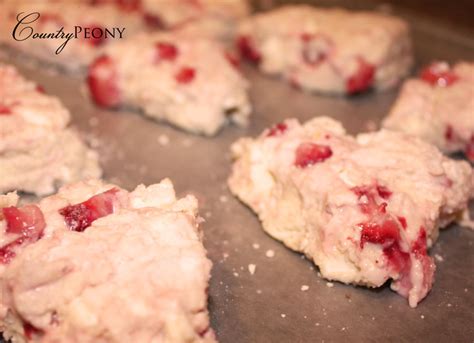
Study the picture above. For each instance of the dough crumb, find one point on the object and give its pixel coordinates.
(283, 315)
(256, 246)
(304, 288)
(223, 198)
(163, 140)
(439, 258)
(329, 284)
(270, 253)
(252, 268)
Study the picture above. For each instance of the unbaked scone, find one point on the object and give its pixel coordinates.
(328, 50)
(438, 107)
(365, 209)
(92, 27)
(97, 264)
(183, 80)
(37, 150)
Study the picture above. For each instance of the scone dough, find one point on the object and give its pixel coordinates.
(97, 264)
(37, 150)
(364, 209)
(183, 80)
(328, 50)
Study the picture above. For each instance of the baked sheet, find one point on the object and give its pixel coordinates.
(271, 304)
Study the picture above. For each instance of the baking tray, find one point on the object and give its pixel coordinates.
(269, 306)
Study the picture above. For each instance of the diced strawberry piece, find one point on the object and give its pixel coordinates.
(80, 216)
(469, 151)
(362, 79)
(153, 21)
(27, 221)
(185, 75)
(31, 331)
(5, 110)
(7, 252)
(165, 51)
(403, 222)
(103, 82)
(232, 58)
(278, 129)
(439, 74)
(248, 50)
(310, 153)
(383, 191)
(95, 40)
(387, 235)
(40, 89)
(419, 246)
(449, 133)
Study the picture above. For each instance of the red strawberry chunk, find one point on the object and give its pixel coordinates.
(248, 50)
(97, 37)
(27, 221)
(278, 129)
(310, 153)
(103, 82)
(403, 222)
(185, 75)
(80, 216)
(165, 51)
(383, 192)
(419, 246)
(439, 74)
(31, 331)
(5, 110)
(153, 21)
(469, 151)
(362, 79)
(40, 89)
(233, 59)
(369, 198)
(449, 133)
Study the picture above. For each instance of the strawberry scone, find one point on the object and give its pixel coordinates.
(65, 33)
(37, 150)
(95, 263)
(438, 107)
(364, 209)
(328, 50)
(185, 81)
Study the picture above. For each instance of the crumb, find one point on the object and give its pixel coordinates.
(329, 284)
(317, 324)
(163, 140)
(223, 198)
(305, 317)
(422, 317)
(256, 246)
(343, 329)
(439, 258)
(304, 288)
(259, 291)
(270, 253)
(236, 274)
(319, 274)
(252, 268)
(465, 289)
(449, 305)
(283, 315)
(225, 255)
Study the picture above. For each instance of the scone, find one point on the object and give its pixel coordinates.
(185, 81)
(74, 32)
(95, 263)
(37, 150)
(364, 209)
(328, 50)
(438, 106)
(210, 18)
